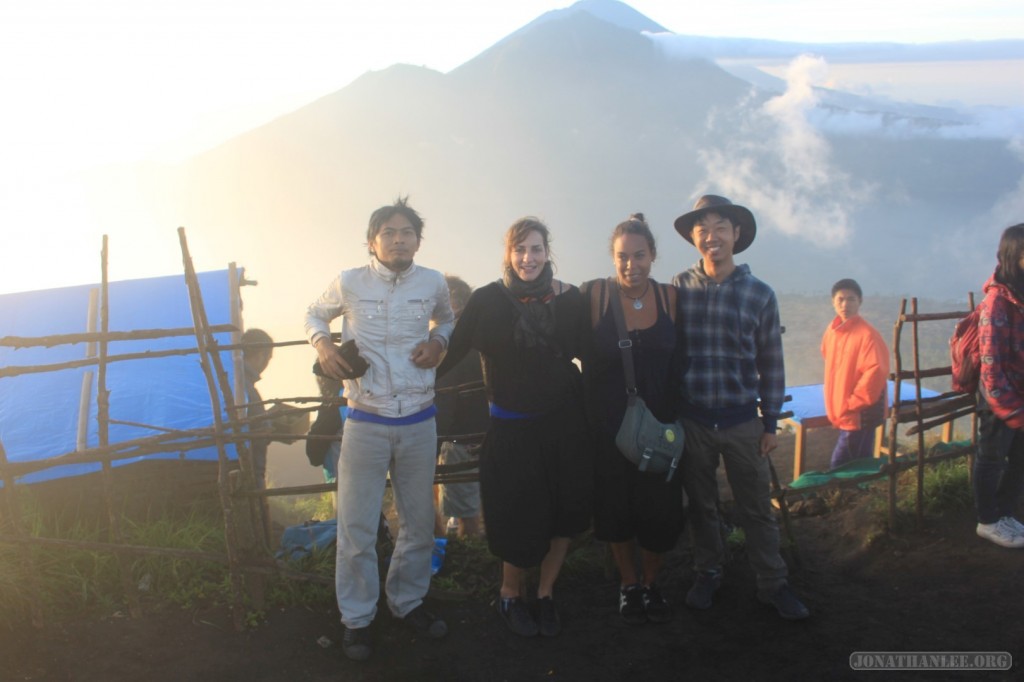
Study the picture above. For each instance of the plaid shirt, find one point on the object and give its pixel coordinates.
(1000, 344)
(734, 343)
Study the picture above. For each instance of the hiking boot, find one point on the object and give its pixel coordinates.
(785, 602)
(1001, 533)
(426, 623)
(356, 643)
(1013, 524)
(548, 620)
(704, 587)
(516, 617)
(658, 610)
(631, 604)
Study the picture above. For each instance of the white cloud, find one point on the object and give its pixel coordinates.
(996, 123)
(1009, 210)
(781, 165)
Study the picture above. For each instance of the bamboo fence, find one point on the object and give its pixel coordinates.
(247, 553)
(921, 413)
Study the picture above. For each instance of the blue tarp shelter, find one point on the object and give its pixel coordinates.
(39, 412)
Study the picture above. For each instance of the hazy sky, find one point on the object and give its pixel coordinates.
(87, 82)
(92, 82)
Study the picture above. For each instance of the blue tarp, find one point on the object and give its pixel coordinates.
(809, 401)
(39, 412)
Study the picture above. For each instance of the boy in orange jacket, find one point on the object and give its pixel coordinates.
(856, 371)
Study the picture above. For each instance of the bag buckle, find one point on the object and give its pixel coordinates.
(625, 343)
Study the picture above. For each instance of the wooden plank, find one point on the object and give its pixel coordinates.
(925, 373)
(910, 412)
(108, 336)
(800, 448)
(932, 317)
(945, 419)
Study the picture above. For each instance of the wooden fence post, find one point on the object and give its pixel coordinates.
(204, 340)
(103, 423)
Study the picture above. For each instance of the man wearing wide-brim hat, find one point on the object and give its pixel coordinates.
(733, 390)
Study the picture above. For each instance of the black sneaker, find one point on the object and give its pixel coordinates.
(658, 610)
(550, 623)
(356, 643)
(516, 617)
(631, 604)
(786, 603)
(704, 587)
(426, 623)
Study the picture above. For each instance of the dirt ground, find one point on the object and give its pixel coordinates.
(937, 589)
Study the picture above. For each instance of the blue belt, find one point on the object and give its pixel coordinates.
(421, 416)
(501, 413)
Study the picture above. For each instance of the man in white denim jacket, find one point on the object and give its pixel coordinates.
(386, 308)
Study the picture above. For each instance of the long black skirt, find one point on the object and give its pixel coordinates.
(635, 504)
(536, 483)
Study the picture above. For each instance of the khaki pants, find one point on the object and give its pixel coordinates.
(750, 481)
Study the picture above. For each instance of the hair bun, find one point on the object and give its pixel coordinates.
(638, 217)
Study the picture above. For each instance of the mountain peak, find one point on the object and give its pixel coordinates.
(614, 12)
(584, 29)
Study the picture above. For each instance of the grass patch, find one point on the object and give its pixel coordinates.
(283, 592)
(72, 583)
(469, 569)
(946, 489)
(292, 511)
(183, 582)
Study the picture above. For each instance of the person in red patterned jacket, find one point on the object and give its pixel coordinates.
(999, 464)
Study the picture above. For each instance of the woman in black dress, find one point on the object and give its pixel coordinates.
(535, 466)
(635, 512)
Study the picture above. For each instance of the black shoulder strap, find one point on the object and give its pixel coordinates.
(659, 297)
(667, 299)
(625, 344)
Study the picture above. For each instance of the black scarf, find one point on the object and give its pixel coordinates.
(535, 325)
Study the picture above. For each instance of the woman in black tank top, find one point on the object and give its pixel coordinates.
(635, 512)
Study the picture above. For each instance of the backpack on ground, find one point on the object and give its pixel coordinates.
(964, 354)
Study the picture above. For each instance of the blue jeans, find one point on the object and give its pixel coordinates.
(852, 445)
(369, 453)
(998, 468)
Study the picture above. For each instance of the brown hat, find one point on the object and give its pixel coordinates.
(711, 203)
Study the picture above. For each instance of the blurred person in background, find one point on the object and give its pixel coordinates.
(461, 413)
(856, 375)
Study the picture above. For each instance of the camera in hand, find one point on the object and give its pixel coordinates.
(350, 354)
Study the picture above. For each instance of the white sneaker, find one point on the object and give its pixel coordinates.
(1000, 533)
(1013, 524)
